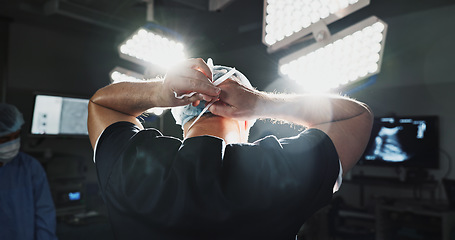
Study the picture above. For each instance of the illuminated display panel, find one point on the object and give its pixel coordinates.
(57, 115)
(404, 141)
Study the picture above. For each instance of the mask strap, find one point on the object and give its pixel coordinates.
(224, 77)
(216, 83)
(210, 65)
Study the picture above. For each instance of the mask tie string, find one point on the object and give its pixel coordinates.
(216, 83)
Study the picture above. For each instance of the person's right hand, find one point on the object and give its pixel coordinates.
(192, 75)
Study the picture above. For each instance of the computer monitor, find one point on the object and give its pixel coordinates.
(410, 142)
(59, 115)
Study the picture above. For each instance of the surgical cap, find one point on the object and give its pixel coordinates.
(183, 114)
(11, 119)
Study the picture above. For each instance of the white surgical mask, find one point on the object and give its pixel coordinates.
(9, 150)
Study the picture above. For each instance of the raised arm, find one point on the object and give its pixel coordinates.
(347, 122)
(127, 100)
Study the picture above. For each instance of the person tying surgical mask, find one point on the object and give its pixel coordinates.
(214, 184)
(26, 207)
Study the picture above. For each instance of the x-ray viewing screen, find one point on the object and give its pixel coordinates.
(56, 115)
(405, 141)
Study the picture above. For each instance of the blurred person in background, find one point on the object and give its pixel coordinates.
(26, 208)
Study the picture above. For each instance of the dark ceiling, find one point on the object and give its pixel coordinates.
(237, 25)
(237, 28)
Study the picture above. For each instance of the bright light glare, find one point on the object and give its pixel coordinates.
(152, 48)
(284, 18)
(117, 76)
(340, 62)
(157, 111)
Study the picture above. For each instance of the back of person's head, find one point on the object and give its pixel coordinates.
(184, 114)
(11, 119)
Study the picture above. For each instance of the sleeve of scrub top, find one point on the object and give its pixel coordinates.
(45, 219)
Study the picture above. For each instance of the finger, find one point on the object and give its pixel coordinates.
(200, 65)
(222, 109)
(195, 100)
(207, 98)
(228, 90)
(196, 103)
(195, 83)
(204, 68)
(190, 73)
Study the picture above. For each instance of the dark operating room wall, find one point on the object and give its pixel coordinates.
(62, 61)
(3, 56)
(58, 59)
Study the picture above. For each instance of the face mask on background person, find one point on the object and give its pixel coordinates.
(9, 150)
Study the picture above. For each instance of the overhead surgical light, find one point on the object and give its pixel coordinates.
(153, 45)
(350, 55)
(286, 21)
(146, 47)
(119, 74)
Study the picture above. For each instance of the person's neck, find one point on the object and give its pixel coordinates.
(227, 129)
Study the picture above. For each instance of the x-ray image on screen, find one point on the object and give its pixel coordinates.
(56, 115)
(74, 116)
(410, 141)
